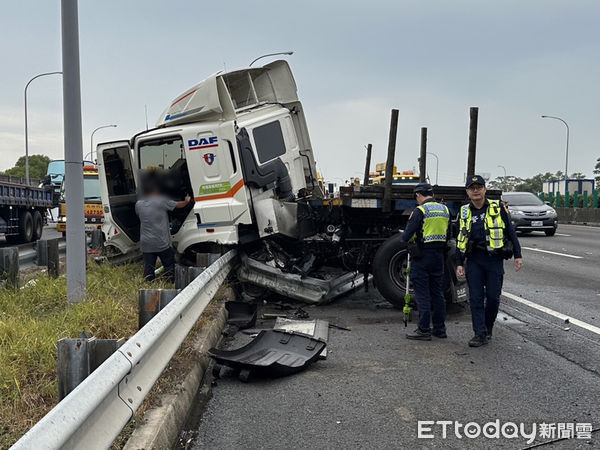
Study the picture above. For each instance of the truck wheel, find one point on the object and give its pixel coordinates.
(550, 232)
(389, 270)
(38, 225)
(25, 227)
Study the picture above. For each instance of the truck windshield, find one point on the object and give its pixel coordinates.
(91, 189)
(522, 199)
(160, 153)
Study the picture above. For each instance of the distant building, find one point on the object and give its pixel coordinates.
(579, 186)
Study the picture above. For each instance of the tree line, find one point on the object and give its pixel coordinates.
(535, 183)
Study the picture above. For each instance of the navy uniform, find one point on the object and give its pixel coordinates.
(486, 237)
(428, 229)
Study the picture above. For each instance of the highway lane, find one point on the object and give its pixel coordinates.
(48, 233)
(557, 280)
(375, 385)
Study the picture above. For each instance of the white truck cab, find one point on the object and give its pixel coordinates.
(237, 143)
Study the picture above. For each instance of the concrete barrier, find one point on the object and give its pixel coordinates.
(585, 216)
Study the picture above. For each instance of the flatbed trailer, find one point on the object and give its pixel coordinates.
(23, 209)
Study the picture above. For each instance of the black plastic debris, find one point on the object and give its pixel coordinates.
(241, 314)
(272, 353)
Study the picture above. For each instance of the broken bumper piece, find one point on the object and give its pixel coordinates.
(305, 289)
(272, 353)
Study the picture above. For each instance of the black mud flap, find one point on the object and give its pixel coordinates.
(241, 314)
(272, 353)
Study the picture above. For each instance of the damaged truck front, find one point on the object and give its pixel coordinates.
(238, 143)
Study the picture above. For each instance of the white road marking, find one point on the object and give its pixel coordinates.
(560, 234)
(551, 312)
(552, 253)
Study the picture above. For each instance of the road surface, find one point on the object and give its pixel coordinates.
(375, 385)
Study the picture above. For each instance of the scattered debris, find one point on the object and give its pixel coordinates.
(316, 328)
(566, 329)
(567, 320)
(241, 314)
(339, 327)
(272, 353)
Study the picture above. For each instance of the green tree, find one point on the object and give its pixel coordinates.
(38, 165)
(597, 171)
(577, 176)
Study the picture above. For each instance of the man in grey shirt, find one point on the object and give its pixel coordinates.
(155, 235)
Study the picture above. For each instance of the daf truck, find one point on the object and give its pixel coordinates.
(238, 143)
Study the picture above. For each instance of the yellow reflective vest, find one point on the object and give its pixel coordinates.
(436, 218)
(493, 223)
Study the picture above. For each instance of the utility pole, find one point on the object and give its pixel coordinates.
(26, 123)
(76, 245)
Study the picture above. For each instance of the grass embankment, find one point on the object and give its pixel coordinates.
(34, 318)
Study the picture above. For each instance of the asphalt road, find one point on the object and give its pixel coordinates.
(48, 233)
(375, 385)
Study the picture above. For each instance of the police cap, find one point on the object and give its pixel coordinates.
(423, 188)
(475, 179)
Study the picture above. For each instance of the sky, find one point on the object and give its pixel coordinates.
(353, 62)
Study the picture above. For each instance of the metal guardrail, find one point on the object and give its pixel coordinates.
(28, 254)
(94, 414)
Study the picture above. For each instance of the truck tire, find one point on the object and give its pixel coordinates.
(389, 267)
(26, 227)
(38, 225)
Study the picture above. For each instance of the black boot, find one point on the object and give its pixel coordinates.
(489, 333)
(419, 335)
(439, 334)
(478, 340)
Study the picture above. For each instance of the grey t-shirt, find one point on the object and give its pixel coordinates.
(155, 235)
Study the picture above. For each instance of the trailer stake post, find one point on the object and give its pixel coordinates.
(368, 165)
(389, 165)
(423, 156)
(474, 114)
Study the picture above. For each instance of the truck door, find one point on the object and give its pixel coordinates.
(118, 190)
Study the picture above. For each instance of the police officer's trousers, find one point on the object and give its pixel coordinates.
(485, 274)
(427, 277)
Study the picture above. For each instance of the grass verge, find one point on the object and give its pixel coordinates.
(35, 317)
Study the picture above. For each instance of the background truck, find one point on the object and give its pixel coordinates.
(23, 209)
(92, 203)
(239, 144)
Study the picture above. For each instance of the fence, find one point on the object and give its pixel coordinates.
(575, 200)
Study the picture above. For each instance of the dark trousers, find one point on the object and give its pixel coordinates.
(484, 275)
(167, 258)
(427, 277)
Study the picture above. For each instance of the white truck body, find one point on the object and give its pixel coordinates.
(202, 129)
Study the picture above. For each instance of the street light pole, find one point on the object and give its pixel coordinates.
(437, 165)
(504, 175)
(270, 54)
(567, 151)
(92, 139)
(26, 131)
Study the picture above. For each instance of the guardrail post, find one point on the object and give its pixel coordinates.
(184, 275)
(9, 266)
(585, 199)
(151, 301)
(73, 363)
(96, 241)
(79, 357)
(53, 258)
(41, 252)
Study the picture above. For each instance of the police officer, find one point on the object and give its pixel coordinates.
(485, 238)
(427, 229)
